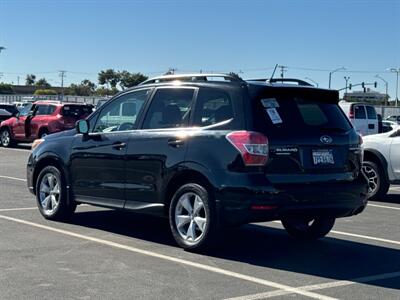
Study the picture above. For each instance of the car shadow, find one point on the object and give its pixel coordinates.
(23, 146)
(264, 247)
(391, 198)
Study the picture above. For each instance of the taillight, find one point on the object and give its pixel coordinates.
(253, 146)
(351, 114)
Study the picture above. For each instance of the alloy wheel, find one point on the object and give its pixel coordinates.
(190, 217)
(5, 138)
(49, 193)
(373, 179)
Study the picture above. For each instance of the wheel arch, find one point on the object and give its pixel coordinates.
(378, 158)
(50, 159)
(182, 177)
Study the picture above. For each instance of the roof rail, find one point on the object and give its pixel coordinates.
(191, 77)
(282, 80)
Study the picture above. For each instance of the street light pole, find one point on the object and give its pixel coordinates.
(331, 72)
(397, 71)
(313, 81)
(386, 88)
(1, 49)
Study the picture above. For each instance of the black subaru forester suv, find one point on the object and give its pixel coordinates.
(208, 151)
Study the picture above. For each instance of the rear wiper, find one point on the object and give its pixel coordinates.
(334, 129)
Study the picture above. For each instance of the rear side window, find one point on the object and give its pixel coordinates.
(51, 109)
(212, 106)
(41, 110)
(169, 108)
(76, 111)
(290, 113)
(371, 112)
(359, 112)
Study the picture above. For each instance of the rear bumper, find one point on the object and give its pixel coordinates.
(334, 199)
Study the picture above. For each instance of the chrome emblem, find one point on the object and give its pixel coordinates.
(326, 139)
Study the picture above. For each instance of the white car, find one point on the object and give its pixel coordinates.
(382, 161)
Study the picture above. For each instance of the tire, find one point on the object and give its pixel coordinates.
(193, 207)
(5, 138)
(378, 185)
(308, 228)
(43, 133)
(51, 195)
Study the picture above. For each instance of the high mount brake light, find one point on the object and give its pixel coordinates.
(253, 146)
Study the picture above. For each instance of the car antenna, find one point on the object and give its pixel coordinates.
(272, 75)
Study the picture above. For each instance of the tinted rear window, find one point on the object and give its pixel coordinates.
(76, 111)
(293, 112)
(359, 112)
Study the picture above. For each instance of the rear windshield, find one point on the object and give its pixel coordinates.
(76, 110)
(293, 112)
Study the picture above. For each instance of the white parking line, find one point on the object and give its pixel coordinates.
(318, 287)
(12, 178)
(384, 206)
(17, 209)
(366, 237)
(283, 287)
(14, 149)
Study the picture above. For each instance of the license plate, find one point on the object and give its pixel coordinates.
(323, 157)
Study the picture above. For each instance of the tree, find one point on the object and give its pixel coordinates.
(45, 92)
(236, 75)
(85, 88)
(109, 77)
(6, 88)
(102, 91)
(30, 79)
(42, 82)
(130, 79)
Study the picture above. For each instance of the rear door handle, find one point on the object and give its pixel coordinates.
(119, 146)
(175, 143)
(371, 126)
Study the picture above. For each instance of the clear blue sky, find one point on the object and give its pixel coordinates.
(84, 37)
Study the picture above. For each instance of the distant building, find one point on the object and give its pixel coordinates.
(367, 96)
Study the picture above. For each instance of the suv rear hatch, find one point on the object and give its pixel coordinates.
(73, 112)
(310, 138)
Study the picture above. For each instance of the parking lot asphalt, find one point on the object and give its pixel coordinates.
(107, 254)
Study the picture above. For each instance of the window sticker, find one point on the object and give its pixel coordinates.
(270, 103)
(274, 116)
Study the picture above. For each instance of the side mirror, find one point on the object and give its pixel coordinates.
(82, 126)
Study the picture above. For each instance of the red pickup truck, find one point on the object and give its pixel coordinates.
(39, 119)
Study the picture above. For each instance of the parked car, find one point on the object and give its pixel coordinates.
(388, 126)
(382, 161)
(394, 118)
(208, 154)
(39, 119)
(362, 116)
(7, 111)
